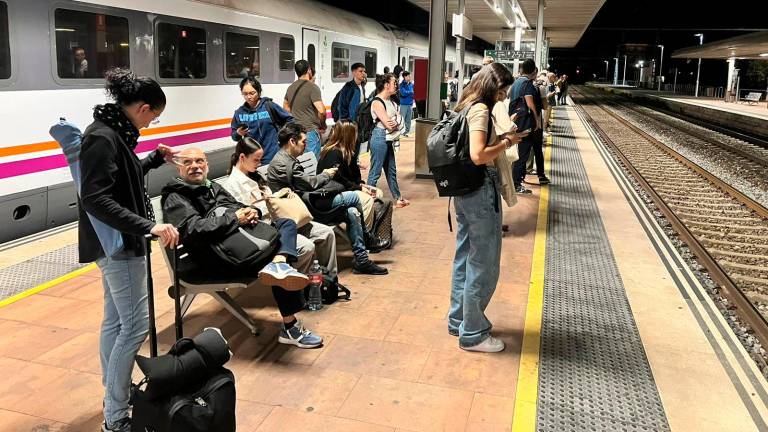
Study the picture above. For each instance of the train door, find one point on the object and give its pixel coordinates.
(402, 58)
(310, 42)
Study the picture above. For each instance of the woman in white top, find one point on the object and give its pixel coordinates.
(478, 215)
(245, 184)
(385, 114)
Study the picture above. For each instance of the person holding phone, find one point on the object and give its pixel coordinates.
(339, 152)
(479, 214)
(259, 118)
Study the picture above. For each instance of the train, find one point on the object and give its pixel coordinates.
(53, 54)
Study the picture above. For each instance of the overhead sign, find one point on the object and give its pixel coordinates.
(505, 56)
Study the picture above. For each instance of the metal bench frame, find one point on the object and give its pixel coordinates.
(752, 97)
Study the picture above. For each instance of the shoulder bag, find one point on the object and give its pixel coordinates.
(284, 204)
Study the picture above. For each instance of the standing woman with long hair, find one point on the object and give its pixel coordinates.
(113, 192)
(385, 131)
(478, 214)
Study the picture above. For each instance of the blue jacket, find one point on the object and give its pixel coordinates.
(349, 100)
(406, 93)
(260, 126)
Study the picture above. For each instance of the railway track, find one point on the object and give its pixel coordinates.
(726, 230)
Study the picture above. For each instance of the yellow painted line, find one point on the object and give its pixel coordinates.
(524, 418)
(46, 285)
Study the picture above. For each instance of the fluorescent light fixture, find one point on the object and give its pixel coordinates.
(764, 55)
(65, 29)
(124, 44)
(252, 47)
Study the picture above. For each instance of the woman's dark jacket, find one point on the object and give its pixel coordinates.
(348, 174)
(112, 191)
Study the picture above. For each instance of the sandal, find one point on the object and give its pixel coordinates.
(402, 202)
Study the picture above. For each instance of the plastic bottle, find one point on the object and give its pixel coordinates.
(396, 145)
(315, 286)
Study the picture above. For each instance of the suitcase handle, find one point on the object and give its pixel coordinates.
(151, 295)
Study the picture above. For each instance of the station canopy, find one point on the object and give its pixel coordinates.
(748, 46)
(564, 20)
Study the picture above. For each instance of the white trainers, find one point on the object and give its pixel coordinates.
(489, 345)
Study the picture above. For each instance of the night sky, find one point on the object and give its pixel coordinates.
(669, 22)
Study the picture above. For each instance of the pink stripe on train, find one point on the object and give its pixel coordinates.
(45, 163)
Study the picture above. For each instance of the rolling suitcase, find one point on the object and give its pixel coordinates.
(382, 233)
(187, 389)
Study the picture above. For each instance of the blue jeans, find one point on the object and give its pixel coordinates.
(407, 112)
(476, 263)
(123, 329)
(383, 156)
(313, 143)
(351, 201)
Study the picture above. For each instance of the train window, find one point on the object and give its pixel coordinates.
(311, 55)
(181, 51)
(370, 63)
(287, 53)
(87, 44)
(340, 62)
(5, 47)
(242, 55)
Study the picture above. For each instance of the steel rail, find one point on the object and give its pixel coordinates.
(745, 308)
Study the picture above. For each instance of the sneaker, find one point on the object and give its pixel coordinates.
(543, 180)
(489, 345)
(284, 276)
(522, 190)
(299, 336)
(122, 425)
(369, 267)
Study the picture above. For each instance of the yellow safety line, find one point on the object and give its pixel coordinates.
(524, 417)
(46, 285)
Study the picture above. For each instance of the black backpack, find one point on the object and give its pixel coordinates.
(277, 121)
(332, 290)
(336, 100)
(448, 156)
(366, 123)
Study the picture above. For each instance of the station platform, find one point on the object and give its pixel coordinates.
(606, 328)
(742, 117)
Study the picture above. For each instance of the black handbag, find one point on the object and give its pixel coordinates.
(247, 245)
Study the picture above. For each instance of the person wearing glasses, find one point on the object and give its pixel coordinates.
(259, 118)
(188, 200)
(112, 191)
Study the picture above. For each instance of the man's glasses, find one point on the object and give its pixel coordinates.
(187, 162)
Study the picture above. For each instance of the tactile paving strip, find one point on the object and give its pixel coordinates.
(594, 374)
(31, 273)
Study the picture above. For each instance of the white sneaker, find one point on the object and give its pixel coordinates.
(489, 345)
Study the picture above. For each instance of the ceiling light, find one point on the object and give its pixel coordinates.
(764, 55)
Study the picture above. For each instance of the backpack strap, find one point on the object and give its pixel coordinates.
(268, 105)
(296, 93)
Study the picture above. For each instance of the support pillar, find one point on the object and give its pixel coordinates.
(518, 39)
(730, 88)
(438, 15)
(537, 56)
(460, 50)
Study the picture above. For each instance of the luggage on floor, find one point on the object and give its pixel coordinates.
(187, 389)
(381, 235)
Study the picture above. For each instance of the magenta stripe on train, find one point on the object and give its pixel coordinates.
(45, 163)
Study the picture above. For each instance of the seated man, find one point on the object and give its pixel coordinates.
(187, 200)
(317, 191)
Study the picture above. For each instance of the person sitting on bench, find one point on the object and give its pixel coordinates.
(188, 199)
(327, 200)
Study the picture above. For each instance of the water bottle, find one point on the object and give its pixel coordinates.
(396, 145)
(315, 286)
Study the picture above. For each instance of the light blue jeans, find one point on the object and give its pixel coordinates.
(476, 263)
(383, 156)
(313, 143)
(124, 328)
(407, 112)
(351, 201)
